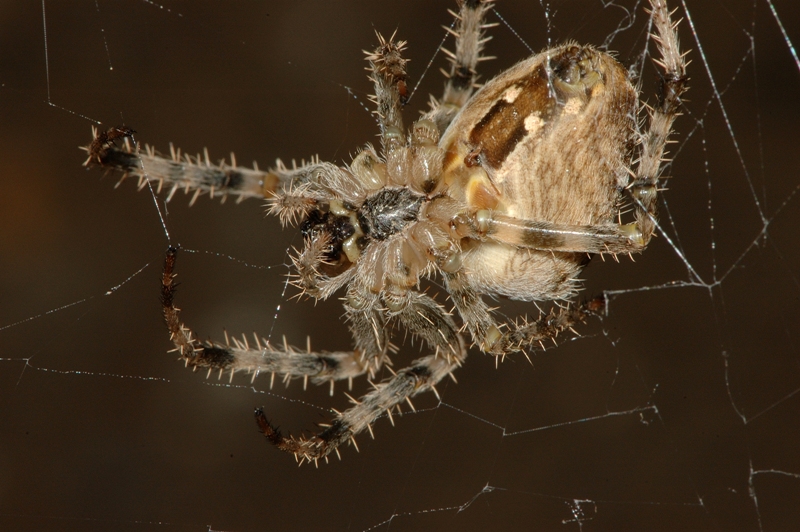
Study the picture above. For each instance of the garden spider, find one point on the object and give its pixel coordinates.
(505, 192)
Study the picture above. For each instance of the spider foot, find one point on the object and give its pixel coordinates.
(305, 449)
(103, 142)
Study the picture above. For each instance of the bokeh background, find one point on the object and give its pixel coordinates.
(679, 410)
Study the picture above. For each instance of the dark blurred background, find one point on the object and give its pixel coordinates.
(679, 410)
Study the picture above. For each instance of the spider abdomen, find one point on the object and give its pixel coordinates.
(547, 140)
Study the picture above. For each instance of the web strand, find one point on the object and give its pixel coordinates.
(676, 410)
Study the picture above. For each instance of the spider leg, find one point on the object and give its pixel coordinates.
(424, 318)
(504, 339)
(285, 360)
(197, 173)
(388, 73)
(422, 376)
(367, 324)
(469, 27)
(644, 186)
(534, 234)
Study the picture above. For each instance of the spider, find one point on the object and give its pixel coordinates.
(504, 191)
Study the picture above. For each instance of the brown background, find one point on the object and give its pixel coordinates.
(101, 430)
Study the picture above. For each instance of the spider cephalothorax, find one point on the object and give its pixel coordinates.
(389, 211)
(504, 192)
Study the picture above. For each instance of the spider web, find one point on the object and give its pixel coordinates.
(679, 410)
